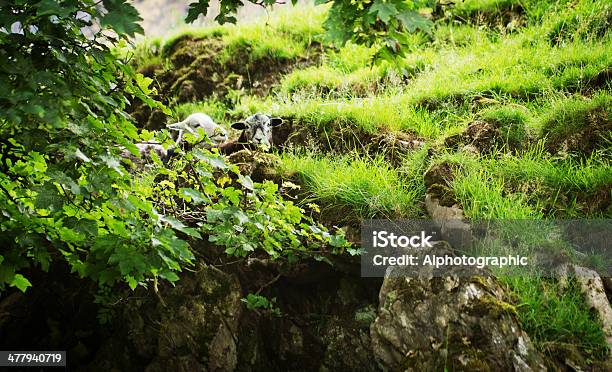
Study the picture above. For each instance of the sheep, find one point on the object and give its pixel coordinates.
(256, 132)
(216, 133)
(145, 149)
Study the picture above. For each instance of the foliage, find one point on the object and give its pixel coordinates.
(258, 302)
(379, 23)
(64, 192)
(233, 211)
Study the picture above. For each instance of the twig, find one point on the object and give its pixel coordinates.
(156, 290)
(268, 284)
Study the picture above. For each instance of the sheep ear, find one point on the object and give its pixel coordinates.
(275, 122)
(241, 125)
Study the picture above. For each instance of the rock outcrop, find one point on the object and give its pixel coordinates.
(196, 330)
(458, 321)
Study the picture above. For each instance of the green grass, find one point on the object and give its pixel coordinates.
(567, 175)
(467, 7)
(484, 196)
(457, 36)
(553, 316)
(351, 189)
(286, 35)
(586, 20)
(529, 185)
(575, 115)
(511, 122)
(372, 115)
(213, 108)
(510, 71)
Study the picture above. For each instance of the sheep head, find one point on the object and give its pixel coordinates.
(257, 129)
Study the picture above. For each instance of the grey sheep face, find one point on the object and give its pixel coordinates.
(257, 129)
(193, 123)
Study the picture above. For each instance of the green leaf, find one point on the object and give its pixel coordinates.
(20, 282)
(195, 9)
(79, 154)
(356, 251)
(178, 225)
(49, 197)
(413, 20)
(192, 195)
(337, 241)
(384, 10)
(122, 17)
(169, 276)
(247, 182)
(133, 283)
(215, 161)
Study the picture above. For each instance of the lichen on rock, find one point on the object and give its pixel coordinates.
(457, 320)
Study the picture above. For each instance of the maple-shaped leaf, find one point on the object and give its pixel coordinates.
(412, 21)
(122, 17)
(383, 10)
(195, 9)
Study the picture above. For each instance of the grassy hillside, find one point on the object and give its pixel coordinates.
(514, 96)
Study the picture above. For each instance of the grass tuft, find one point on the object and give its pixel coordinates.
(553, 316)
(351, 189)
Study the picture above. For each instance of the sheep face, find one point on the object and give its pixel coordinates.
(257, 129)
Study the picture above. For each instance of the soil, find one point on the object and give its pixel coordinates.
(338, 139)
(595, 135)
(485, 137)
(438, 181)
(197, 74)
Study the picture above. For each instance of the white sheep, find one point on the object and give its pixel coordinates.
(216, 133)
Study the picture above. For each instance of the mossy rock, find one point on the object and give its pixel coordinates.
(192, 326)
(460, 320)
(204, 67)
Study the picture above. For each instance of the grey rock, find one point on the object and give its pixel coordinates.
(456, 321)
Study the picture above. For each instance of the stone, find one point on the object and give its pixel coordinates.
(459, 320)
(593, 288)
(454, 227)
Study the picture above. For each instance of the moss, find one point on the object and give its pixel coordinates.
(365, 316)
(489, 304)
